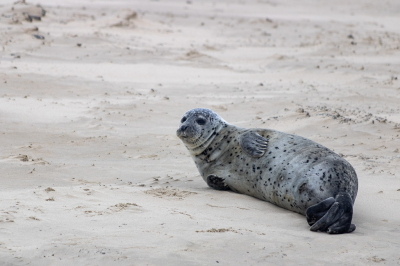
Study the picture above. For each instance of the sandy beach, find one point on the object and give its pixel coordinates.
(91, 94)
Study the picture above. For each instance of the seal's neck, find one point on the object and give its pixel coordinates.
(216, 145)
(216, 135)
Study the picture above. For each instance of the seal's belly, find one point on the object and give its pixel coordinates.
(294, 173)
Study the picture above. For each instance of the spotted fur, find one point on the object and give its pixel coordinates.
(287, 170)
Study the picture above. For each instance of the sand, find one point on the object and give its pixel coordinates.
(91, 95)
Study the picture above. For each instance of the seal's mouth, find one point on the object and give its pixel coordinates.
(181, 134)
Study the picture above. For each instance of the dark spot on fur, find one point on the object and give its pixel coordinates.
(302, 188)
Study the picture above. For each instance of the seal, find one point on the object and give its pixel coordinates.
(287, 170)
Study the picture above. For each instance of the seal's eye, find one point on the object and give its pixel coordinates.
(183, 119)
(200, 121)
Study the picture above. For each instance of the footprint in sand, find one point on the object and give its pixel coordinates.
(169, 193)
(25, 159)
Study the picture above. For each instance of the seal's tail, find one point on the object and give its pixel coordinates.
(332, 215)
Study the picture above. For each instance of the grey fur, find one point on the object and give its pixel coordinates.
(290, 171)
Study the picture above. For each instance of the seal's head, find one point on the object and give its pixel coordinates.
(197, 129)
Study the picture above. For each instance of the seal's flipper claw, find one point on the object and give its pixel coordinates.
(253, 144)
(317, 211)
(337, 219)
(352, 228)
(341, 229)
(216, 182)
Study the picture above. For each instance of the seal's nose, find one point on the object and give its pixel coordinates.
(181, 131)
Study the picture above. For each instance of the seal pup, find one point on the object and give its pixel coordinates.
(289, 171)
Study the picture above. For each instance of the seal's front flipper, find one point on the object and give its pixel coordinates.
(216, 182)
(317, 211)
(337, 219)
(253, 144)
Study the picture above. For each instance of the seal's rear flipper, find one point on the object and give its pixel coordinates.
(317, 211)
(337, 219)
(216, 182)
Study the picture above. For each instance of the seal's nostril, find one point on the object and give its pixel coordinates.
(183, 128)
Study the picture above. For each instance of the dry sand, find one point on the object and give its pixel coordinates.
(93, 174)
